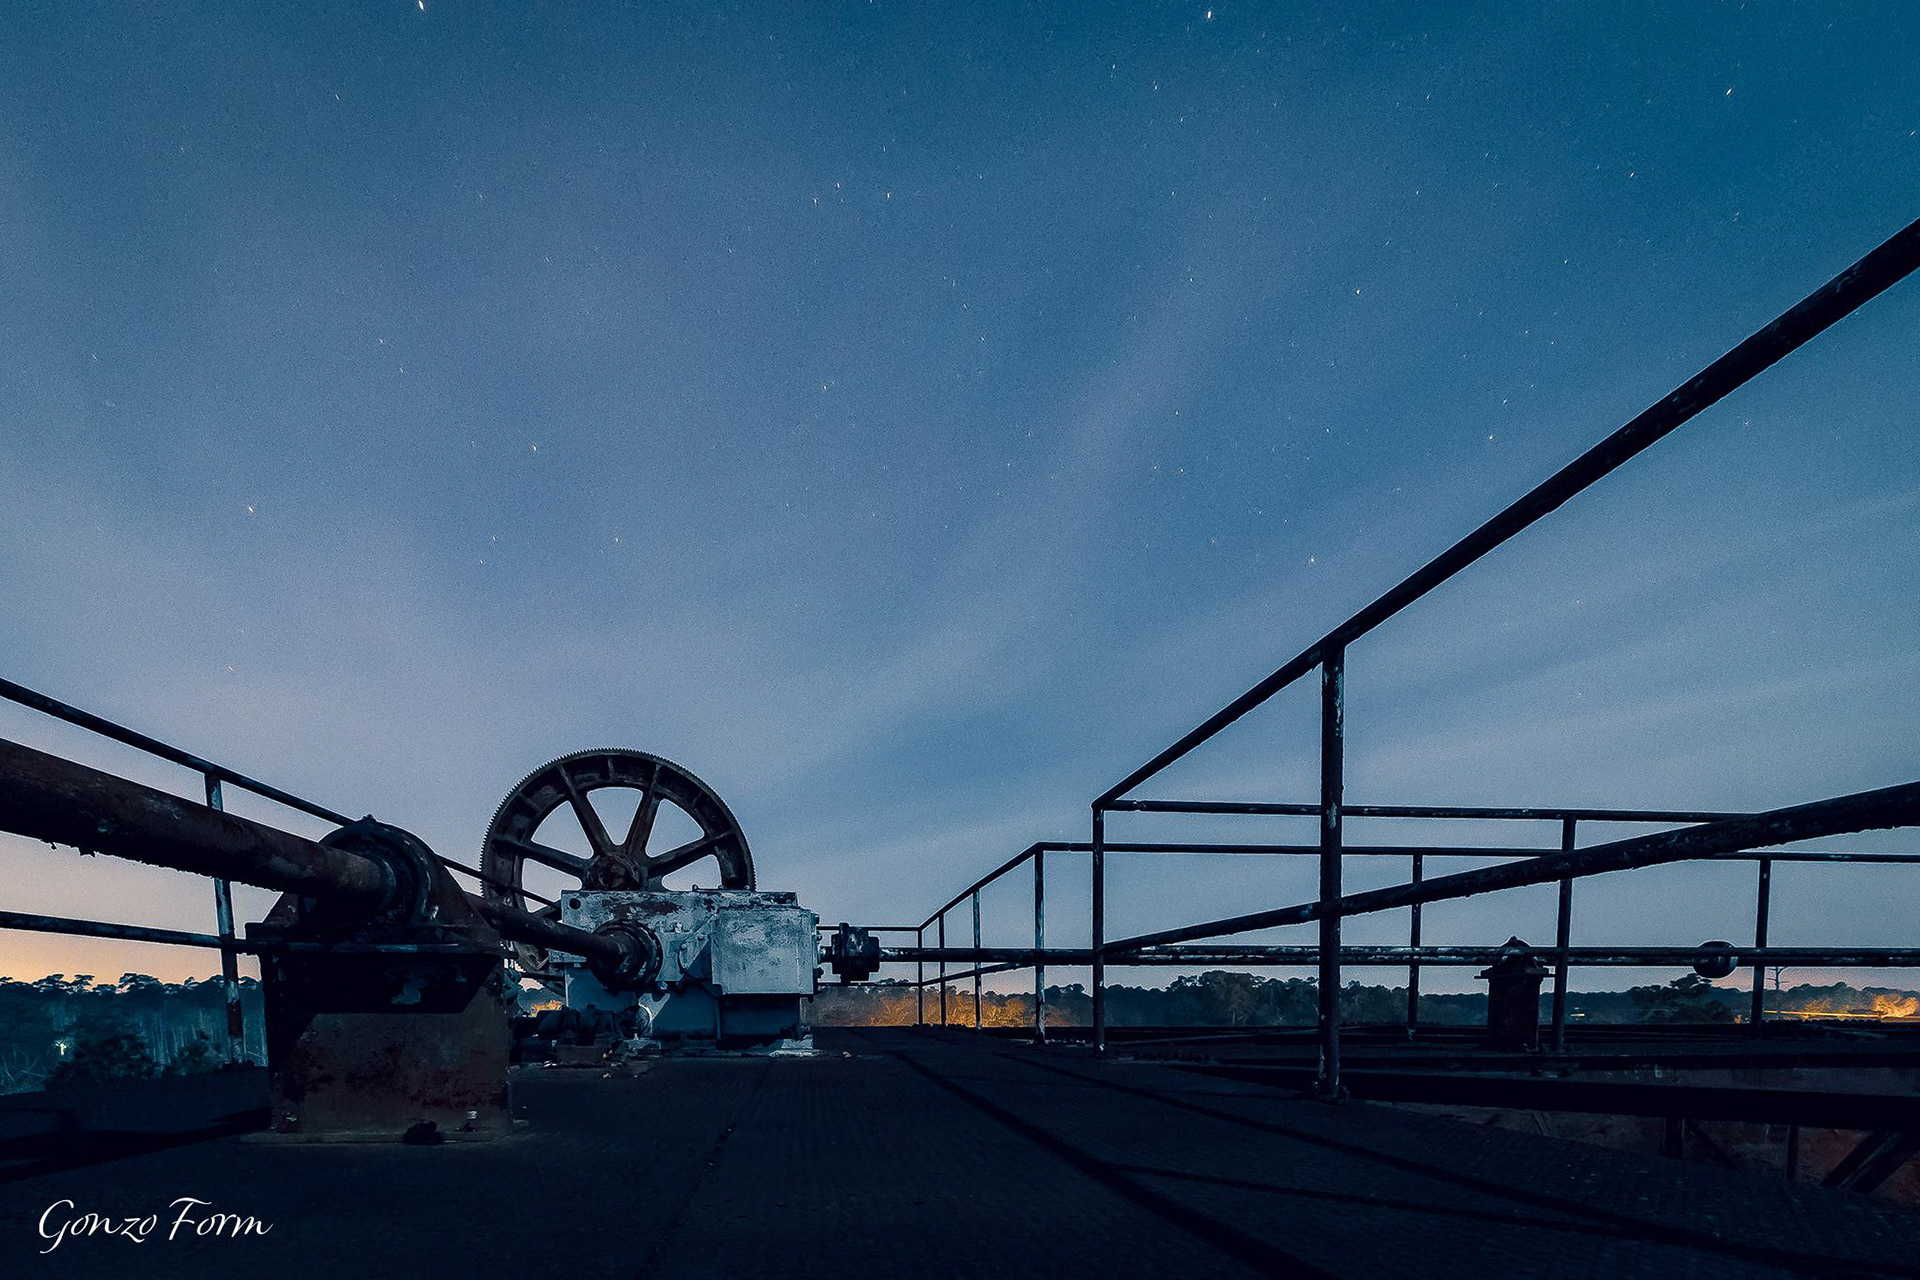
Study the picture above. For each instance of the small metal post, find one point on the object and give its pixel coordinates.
(1413, 940)
(920, 979)
(1333, 672)
(1040, 944)
(976, 959)
(229, 958)
(943, 968)
(1562, 938)
(1099, 930)
(1761, 909)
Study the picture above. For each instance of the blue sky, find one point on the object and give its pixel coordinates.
(911, 419)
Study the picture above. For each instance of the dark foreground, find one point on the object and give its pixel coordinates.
(922, 1153)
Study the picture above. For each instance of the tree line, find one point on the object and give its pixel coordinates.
(1223, 999)
(60, 1029)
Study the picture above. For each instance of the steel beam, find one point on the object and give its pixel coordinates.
(1099, 929)
(1333, 679)
(1416, 873)
(229, 956)
(1562, 939)
(1040, 944)
(976, 972)
(1763, 905)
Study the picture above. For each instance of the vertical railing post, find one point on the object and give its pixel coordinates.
(943, 968)
(1562, 938)
(1333, 674)
(920, 978)
(1761, 908)
(229, 958)
(1413, 940)
(1099, 929)
(976, 960)
(1039, 944)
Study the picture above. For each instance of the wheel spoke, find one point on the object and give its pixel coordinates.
(509, 850)
(635, 845)
(589, 820)
(690, 852)
(547, 855)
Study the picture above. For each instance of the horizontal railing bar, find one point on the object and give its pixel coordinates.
(1373, 851)
(153, 746)
(1530, 813)
(1471, 851)
(1397, 956)
(1892, 261)
(105, 929)
(1010, 864)
(824, 927)
(956, 977)
(1844, 815)
(177, 938)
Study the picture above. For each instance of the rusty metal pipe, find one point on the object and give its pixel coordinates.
(47, 798)
(1864, 811)
(608, 949)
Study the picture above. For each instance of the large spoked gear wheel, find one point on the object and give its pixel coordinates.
(622, 862)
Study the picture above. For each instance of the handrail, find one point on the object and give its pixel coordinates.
(1844, 815)
(153, 746)
(213, 773)
(1892, 261)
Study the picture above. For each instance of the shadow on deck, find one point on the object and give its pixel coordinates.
(902, 1152)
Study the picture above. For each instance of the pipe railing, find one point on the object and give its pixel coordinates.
(1724, 835)
(46, 797)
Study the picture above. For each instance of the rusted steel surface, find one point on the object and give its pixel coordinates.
(1864, 811)
(47, 798)
(380, 1025)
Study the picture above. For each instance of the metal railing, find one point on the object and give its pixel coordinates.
(1716, 835)
(215, 778)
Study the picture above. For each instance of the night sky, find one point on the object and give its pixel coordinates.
(912, 418)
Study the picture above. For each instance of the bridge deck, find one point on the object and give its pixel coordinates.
(906, 1153)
